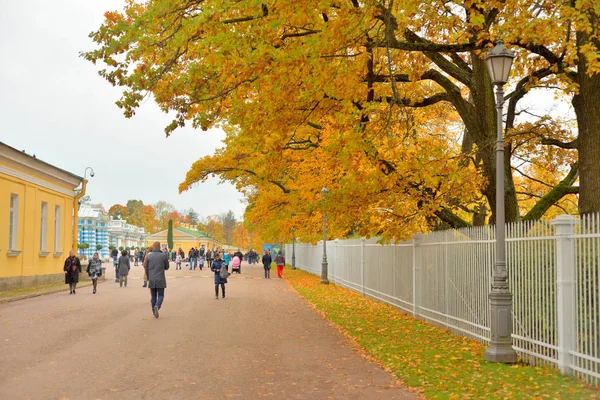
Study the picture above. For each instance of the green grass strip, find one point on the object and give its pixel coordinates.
(437, 362)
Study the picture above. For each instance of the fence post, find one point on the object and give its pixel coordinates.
(566, 313)
(393, 246)
(417, 271)
(336, 259)
(362, 265)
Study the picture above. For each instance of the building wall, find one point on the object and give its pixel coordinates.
(122, 234)
(32, 191)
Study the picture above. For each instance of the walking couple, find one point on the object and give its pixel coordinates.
(267, 260)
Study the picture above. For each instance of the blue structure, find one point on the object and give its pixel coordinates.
(273, 248)
(93, 229)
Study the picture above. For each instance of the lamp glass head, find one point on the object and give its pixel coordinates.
(499, 62)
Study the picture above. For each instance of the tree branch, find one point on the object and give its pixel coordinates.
(447, 216)
(553, 142)
(563, 188)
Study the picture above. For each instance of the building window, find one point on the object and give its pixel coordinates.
(14, 221)
(56, 229)
(43, 226)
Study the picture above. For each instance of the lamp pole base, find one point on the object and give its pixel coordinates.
(500, 349)
(324, 279)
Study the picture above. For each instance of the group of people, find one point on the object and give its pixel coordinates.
(156, 262)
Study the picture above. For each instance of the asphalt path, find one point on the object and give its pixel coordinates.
(262, 340)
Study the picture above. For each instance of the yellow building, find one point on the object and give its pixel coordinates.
(36, 219)
(184, 238)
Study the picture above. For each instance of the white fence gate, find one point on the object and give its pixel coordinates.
(444, 277)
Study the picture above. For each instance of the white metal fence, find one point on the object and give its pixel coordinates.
(444, 277)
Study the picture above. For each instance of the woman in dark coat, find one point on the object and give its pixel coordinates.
(72, 270)
(216, 268)
(124, 267)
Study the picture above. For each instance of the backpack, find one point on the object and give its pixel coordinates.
(201, 252)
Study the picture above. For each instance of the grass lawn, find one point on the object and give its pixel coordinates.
(31, 291)
(433, 360)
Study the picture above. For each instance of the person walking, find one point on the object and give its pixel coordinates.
(94, 270)
(210, 256)
(226, 257)
(137, 256)
(266, 260)
(124, 267)
(216, 267)
(201, 257)
(178, 261)
(280, 261)
(72, 269)
(148, 250)
(155, 264)
(115, 256)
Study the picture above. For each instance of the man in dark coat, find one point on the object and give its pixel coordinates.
(267, 260)
(155, 264)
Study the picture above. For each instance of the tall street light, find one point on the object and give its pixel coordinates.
(293, 243)
(499, 61)
(324, 279)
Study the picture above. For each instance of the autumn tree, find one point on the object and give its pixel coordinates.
(163, 209)
(215, 228)
(192, 216)
(241, 237)
(371, 90)
(148, 219)
(229, 222)
(118, 211)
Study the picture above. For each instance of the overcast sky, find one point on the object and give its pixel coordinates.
(53, 104)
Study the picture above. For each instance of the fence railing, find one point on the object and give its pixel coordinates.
(444, 277)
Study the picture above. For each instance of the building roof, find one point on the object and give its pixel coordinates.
(199, 234)
(42, 162)
(91, 211)
(185, 231)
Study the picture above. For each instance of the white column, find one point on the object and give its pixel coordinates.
(566, 314)
(417, 278)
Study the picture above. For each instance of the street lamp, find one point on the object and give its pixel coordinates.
(293, 243)
(324, 279)
(499, 61)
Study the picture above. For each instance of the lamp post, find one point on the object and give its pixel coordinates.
(293, 243)
(324, 279)
(499, 61)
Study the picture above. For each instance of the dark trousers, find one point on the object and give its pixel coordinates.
(217, 289)
(267, 272)
(157, 296)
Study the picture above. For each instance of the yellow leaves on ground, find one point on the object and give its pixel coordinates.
(431, 359)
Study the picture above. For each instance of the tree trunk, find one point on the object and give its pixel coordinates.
(482, 130)
(587, 108)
